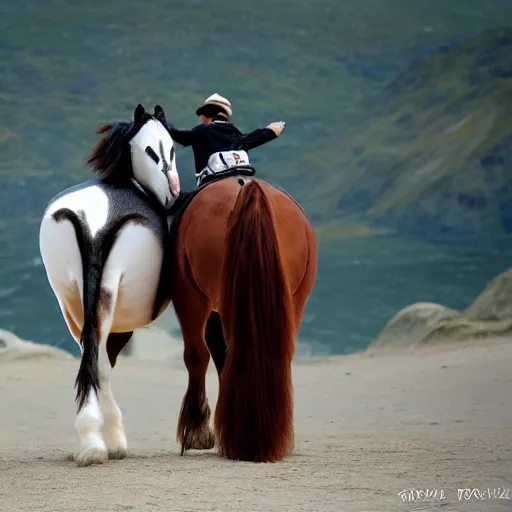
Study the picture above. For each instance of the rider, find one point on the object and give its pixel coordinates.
(217, 134)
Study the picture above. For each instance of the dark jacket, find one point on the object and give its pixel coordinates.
(218, 136)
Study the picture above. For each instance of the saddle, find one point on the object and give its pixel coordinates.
(223, 164)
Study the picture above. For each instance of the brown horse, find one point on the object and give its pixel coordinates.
(246, 263)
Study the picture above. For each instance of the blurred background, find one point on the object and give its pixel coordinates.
(398, 140)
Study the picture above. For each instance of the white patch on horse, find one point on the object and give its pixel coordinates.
(140, 274)
(93, 201)
(88, 424)
(61, 255)
(113, 431)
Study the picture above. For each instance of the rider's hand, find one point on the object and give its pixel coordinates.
(277, 127)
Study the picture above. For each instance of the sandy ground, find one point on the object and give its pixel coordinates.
(367, 428)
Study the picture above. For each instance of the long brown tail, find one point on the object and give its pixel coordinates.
(254, 413)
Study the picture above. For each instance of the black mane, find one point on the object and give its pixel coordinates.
(111, 156)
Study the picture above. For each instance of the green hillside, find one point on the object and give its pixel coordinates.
(436, 159)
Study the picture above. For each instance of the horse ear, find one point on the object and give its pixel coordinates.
(160, 114)
(139, 113)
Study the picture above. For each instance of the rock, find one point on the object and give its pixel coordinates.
(155, 344)
(156, 341)
(495, 302)
(410, 326)
(13, 348)
(490, 316)
(462, 329)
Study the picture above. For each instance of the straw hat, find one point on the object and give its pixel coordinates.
(215, 100)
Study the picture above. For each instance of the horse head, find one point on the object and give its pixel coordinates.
(142, 150)
(153, 155)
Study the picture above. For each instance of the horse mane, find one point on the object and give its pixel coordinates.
(110, 157)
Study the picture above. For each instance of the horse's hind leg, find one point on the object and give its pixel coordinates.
(99, 422)
(215, 340)
(89, 421)
(113, 433)
(192, 309)
(113, 430)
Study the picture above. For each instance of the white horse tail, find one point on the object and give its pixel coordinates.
(94, 252)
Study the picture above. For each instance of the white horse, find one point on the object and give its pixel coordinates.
(104, 244)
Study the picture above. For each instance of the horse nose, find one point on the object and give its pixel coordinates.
(174, 183)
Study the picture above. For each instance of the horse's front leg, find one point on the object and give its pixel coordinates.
(194, 431)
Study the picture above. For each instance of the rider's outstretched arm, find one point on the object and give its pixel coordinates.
(184, 137)
(262, 135)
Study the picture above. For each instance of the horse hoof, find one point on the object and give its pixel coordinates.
(202, 440)
(91, 455)
(115, 440)
(118, 454)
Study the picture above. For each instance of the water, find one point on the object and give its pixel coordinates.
(363, 282)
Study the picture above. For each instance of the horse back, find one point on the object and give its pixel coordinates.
(102, 205)
(203, 229)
